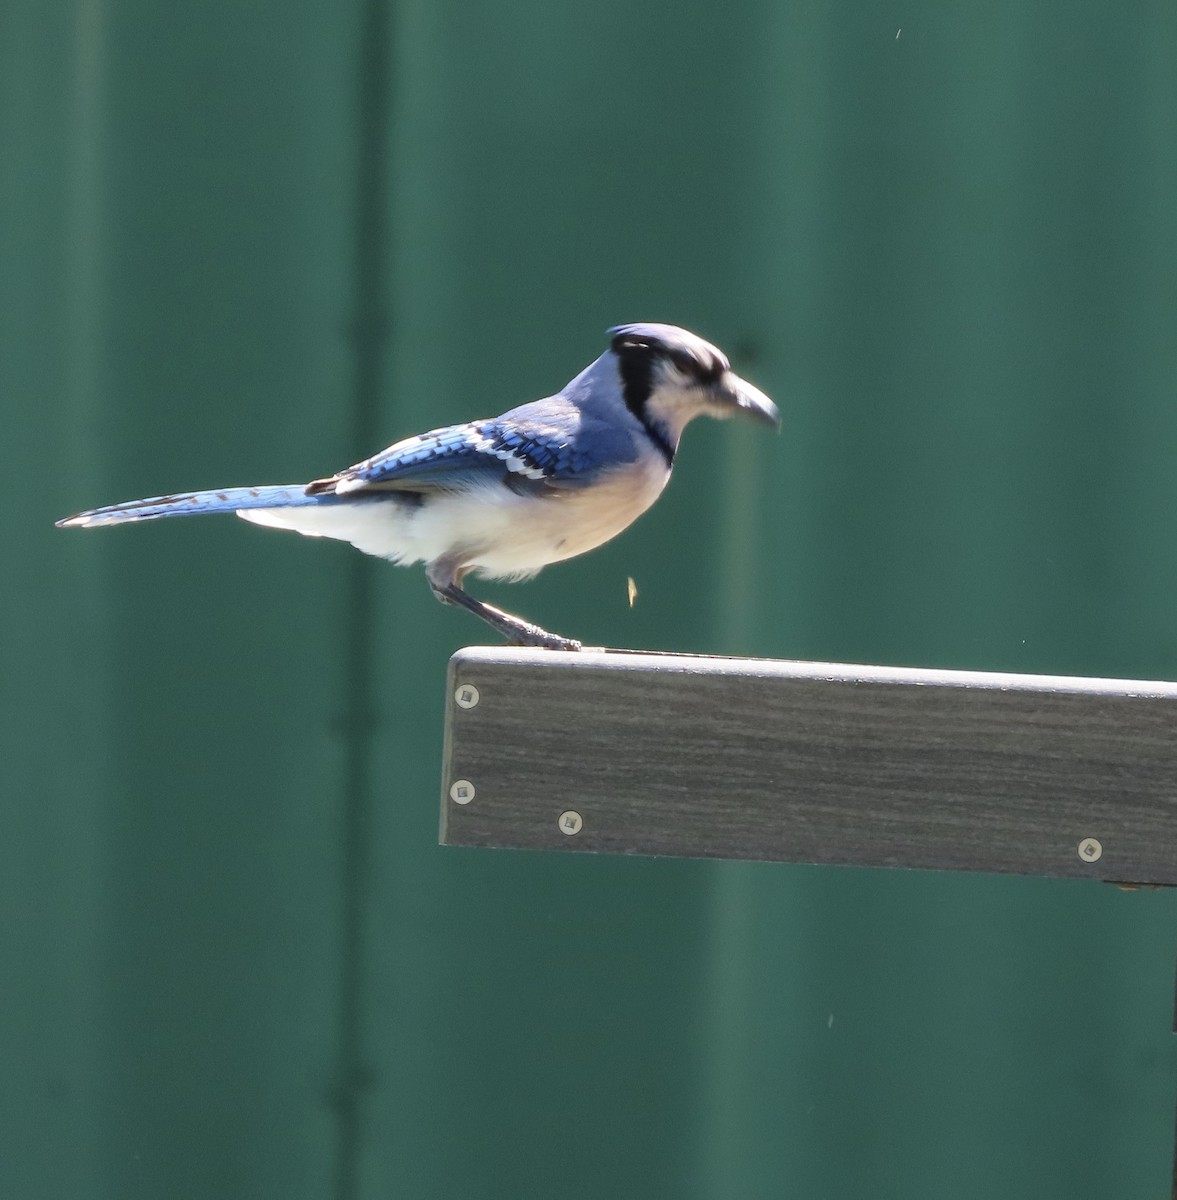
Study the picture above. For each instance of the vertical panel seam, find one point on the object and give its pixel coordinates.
(369, 322)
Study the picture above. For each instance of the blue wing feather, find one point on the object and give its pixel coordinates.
(531, 454)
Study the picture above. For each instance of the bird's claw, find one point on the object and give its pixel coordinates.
(534, 636)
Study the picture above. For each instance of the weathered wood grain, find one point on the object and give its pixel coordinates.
(813, 762)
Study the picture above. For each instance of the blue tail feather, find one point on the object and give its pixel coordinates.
(192, 504)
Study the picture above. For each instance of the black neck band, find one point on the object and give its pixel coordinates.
(637, 382)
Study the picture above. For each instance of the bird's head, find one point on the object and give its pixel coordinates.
(670, 376)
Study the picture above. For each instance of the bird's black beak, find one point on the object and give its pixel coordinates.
(748, 401)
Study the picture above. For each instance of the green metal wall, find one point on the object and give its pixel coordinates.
(251, 241)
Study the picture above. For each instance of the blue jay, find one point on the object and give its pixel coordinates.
(504, 497)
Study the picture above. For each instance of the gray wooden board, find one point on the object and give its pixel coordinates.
(812, 762)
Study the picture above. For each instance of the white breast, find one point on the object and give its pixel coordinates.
(514, 536)
(491, 530)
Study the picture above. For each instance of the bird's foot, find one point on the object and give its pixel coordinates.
(533, 635)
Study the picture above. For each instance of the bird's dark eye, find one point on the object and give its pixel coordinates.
(705, 370)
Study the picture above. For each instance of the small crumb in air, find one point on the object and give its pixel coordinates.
(897, 33)
(632, 589)
(830, 1022)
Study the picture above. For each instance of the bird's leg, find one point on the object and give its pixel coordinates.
(517, 631)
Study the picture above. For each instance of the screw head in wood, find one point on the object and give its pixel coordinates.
(570, 822)
(1090, 850)
(461, 791)
(466, 696)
